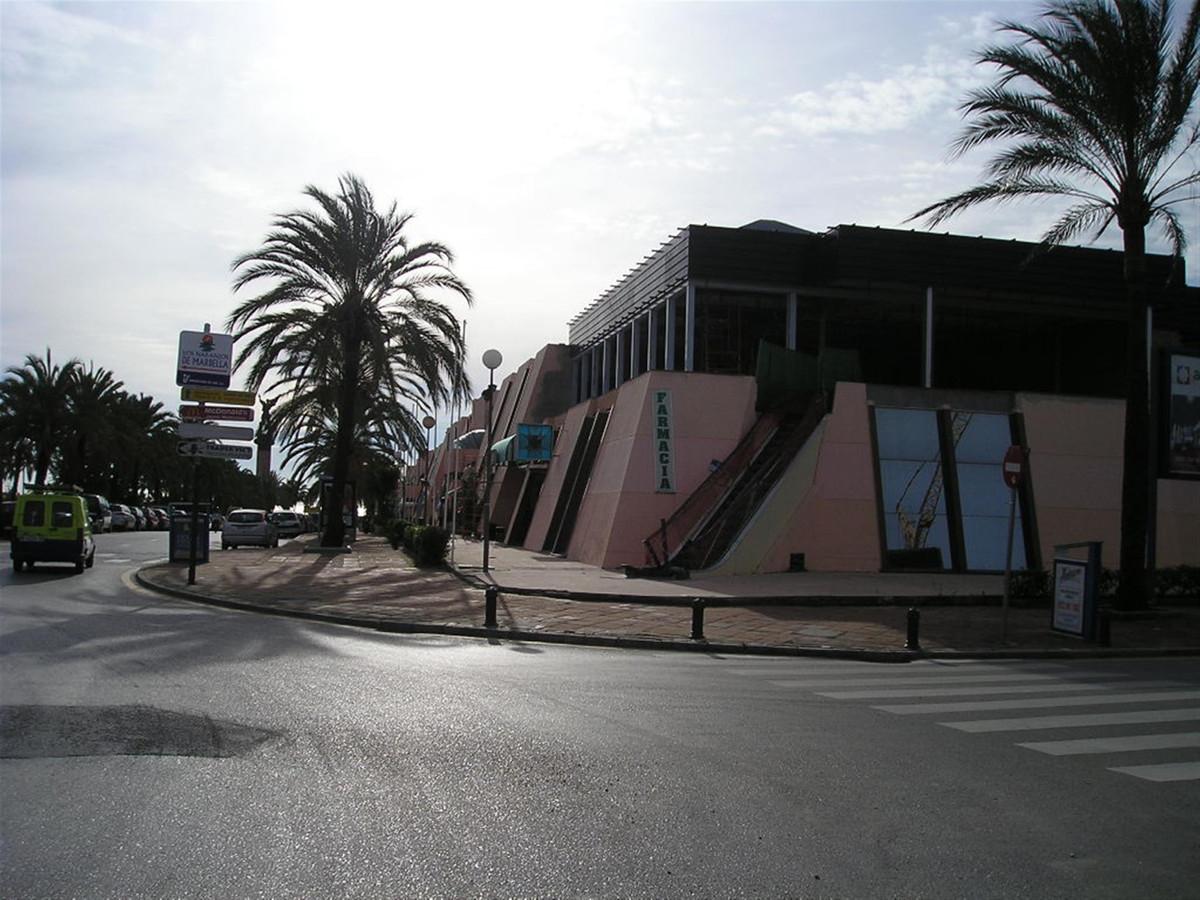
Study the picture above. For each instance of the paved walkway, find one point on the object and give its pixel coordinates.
(379, 587)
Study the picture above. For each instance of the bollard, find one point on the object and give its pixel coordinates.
(913, 640)
(1104, 629)
(489, 606)
(697, 619)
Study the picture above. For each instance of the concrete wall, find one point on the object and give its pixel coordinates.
(824, 505)
(620, 507)
(1075, 463)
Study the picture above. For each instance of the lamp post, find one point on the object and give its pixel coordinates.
(428, 422)
(492, 360)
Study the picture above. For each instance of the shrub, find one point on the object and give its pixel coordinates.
(429, 545)
(395, 534)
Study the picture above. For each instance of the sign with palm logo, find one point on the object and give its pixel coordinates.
(205, 359)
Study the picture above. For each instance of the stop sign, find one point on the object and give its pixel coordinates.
(1013, 467)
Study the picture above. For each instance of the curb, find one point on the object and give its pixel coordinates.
(635, 643)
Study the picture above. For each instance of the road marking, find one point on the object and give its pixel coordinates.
(1121, 744)
(971, 691)
(1083, 720)
(924, 679)
(909, 709)
(1185, 771)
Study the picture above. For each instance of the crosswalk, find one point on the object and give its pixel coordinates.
(1144, 728)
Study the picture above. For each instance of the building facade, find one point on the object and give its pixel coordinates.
(765, 398)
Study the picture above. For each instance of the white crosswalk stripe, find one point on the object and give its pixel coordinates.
(1081, 720)
(973, 688)
(1186, 771)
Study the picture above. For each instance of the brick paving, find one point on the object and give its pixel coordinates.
(375, 584)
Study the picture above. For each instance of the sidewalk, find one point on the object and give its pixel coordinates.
(377, 587)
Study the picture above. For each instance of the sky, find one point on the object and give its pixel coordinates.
(144, 146)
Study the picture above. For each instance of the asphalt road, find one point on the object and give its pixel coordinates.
(153, 748)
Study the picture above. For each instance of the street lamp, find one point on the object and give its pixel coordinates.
(428, 422)
(492, 360)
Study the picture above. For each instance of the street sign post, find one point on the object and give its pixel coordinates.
(205, 412)
(204, 359)
(213, 450)
(191, 430)
(1012, 469)
(213, 395)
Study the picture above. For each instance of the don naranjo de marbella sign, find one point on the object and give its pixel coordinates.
(205, 359)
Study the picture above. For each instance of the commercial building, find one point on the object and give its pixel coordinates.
(764, 398)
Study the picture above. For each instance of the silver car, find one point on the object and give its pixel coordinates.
(288, 523)
(249, 527)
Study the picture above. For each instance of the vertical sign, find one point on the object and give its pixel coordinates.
(664, 443)
(1069, 596)
(1183, 416)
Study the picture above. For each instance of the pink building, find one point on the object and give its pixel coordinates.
(764, 398)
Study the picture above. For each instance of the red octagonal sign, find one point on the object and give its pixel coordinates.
(1014, 466)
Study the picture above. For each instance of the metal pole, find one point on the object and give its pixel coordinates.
(1012, 519)
(195, 523)
(487, 468)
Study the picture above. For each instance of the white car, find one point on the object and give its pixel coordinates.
(249, 526)
(288, 523)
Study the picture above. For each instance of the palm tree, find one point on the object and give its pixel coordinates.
(93, 397)
(1094, 104)
(347, 315)
(35, 398)
(144, 428)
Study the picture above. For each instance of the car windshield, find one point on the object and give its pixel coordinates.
(245, 518)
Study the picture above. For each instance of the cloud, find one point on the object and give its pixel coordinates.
(894, 100)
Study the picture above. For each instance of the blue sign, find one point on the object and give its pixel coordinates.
(535, 443)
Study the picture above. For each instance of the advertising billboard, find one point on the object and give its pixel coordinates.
(1182, 447)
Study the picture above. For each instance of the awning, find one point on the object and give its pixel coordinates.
(472, 440)
(502, 451)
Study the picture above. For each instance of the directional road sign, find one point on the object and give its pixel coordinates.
(213, 450)
(204, 359)
(212, 395)
(188, 430)
(222, 413)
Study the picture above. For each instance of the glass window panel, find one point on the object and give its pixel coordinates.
(910, 474)
(35, 513)
(907, 485)
(61, 512)
(986, 539)
(907, 434)
(981, 490)
(984, 437)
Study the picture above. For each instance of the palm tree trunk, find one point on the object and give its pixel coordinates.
(1133, 589)
(335, 529)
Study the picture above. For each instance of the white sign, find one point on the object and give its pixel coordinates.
(1069, 578)
(664, 443)
(210, 450)
(205, 359)
(188, 430)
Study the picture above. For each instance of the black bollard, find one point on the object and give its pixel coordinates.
(697, 619)
(913, 640)
(489, 606)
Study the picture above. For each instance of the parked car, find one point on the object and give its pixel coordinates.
(122, 518)
(288, 524)
(139, 518)
(151, 518)
(164, 518)
(249, 527)
(52, 526)
(99, 512)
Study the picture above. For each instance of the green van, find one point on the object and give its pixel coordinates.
(52, 526)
